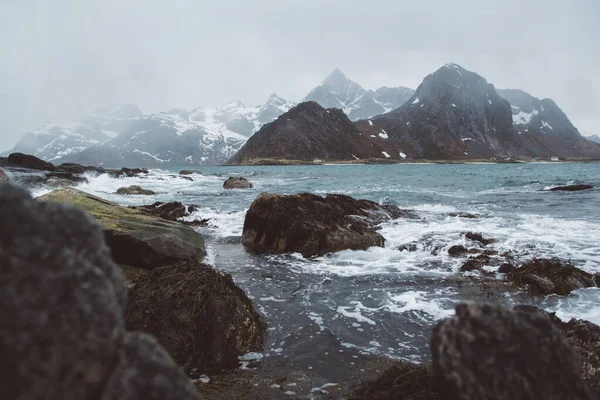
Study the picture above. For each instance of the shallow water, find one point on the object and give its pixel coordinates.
(384, 301)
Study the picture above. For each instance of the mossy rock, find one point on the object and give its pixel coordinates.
(134, 189)
(136, 238)
(197, 313)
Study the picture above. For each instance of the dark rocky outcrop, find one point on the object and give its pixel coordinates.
(134, 189)
(134, 237)
(571, 188)
(547, 276)
(199, 315)
(128, 172)
(458, 250)
(313, 225)
(400, 382)
(189, 172)
(487, 352)
(63, 301)
(454, 114)
(478, 237)
(543, 130)
(237, 183)
(29, 161)
(308, 132)
(172, 211)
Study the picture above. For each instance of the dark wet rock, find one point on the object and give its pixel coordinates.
(410, 247)
(134, 189)
(487, 352)
(403, 381)
(199, 314)
(458, 250)
(64, 299)
(187, 178)
(144, 370)
(547, 276)
(72, 167)
(189, 172)
(463, 215)
(172, 211)
(67, 176)
(3, 176)
(478, 237)
(136, 238)
(477, 262)
(571, 188)
(506, 268)
(128, 172)
(313, 225)
(237, 183)
(29, 161)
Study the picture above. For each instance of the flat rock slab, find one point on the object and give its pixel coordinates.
(571, 188)
(136, 238)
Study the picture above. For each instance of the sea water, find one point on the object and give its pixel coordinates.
(385, 301)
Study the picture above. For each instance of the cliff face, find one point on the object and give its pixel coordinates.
(308, 132)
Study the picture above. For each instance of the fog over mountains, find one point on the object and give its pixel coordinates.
(453, 114)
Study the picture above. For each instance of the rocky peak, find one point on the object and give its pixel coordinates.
(336, 80)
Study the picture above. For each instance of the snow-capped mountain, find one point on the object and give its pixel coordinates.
(337, 91)
(543, 129)
(53, 140)
(594, 138)
(122, 135)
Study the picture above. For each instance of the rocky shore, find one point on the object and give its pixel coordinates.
(133, 292)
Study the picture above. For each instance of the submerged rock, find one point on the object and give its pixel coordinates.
(547, 276)
(63, 302)
(29, 161)
(571, 188)
(128, 172)
(487, 352)
(134, 237)
(189, 172)
(134, 189)
(313, 225)
(237, 183)
(198, 313)
(403, 381)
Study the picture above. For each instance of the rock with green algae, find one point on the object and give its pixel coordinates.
(134, 237)
(199, 314)
(134, 189)
(62, 299)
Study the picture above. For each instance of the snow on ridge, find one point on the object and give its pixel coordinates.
(523, 118)
(416, 101)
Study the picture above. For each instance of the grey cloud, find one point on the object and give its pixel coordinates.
(65, 58)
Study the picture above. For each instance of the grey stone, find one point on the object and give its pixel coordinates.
(487, 352)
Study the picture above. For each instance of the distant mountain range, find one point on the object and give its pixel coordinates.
(594, 138)
(453, 114)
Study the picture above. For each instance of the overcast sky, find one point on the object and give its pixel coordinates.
(64, 58)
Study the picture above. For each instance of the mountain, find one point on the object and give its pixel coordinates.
(594, 138)
(53, 140)
(308, 132)
(454, 114)
(544, 130)
(122, 135)
(337, 91)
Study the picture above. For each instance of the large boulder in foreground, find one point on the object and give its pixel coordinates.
(548, 276)
(584, 338)
(136, 238)
(237, 183)
(29, 161)
(62, 299)
(487, 352)
(199, 314)
(313, 225)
